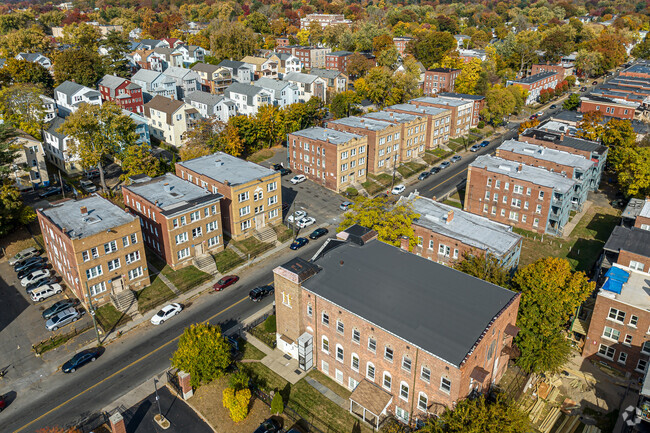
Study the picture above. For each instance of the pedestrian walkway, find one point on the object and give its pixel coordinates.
(277, 361)
(237, 251)
(164, 279)
(331, 395)
(568, 227)
(257, 343)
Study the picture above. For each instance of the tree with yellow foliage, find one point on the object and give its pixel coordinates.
(237, 403)
(203, 353)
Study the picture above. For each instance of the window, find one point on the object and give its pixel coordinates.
(641, 365)
(244, 210)
(325, 367)
(541, 195)
(606, 351)
(406, 363)
(356, 336)
(636, 265)
(387, 382)
(445, 385)
(372, 345)
(325, 318)
(617, 315)
(97, 289)
(444, 250)
(286, 299)
(110, 247)
(339, 352)
(132, 257)
(310, 310)
(487, 195)
(197, 231)
(183, 220)
(627, 340)
(273, 200)
(125, 241)
(388, 354)
(94, 272)
(611, 333)
(113, 264)
(245, 225)
(206, 212)
(622, 358)
(213, 241)
(370, 371)
(425, 374)
(195, 216)
(404, 391)
(402, 414)
(85, 256)
(355, 362)
(339, 327)
(489, 182)
(325, 345)
(423, 402)
(633, 320)
(210, 227)
(243, 196)
(135, 273)
(134, 238)
(646, 348)
(518, 189)
(181, 237)
(258, 196)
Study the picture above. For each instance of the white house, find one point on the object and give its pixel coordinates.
(247, 97)
(190, 54)
(69, 96)
(186, 80)
(169, 119)
(283, 92)
(309, 85)
(155, 83)
(211, 105)
(36, 58)
(240, 71)
(55, 146)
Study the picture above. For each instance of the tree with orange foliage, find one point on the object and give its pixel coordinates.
(58, 429)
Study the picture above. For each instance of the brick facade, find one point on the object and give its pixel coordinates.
(413, 143)
(461, 113)
(607, 107)
(438, 122)
(440, 80)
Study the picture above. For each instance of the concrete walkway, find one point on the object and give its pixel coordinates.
(568, 228)
(331, 395)
(237, 251)
(277, 361)
(164, 279)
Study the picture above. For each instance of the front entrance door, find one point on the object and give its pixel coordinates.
(259, 221)
(118, 285)
(198, 249)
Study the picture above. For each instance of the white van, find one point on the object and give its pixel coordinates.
(45, 291)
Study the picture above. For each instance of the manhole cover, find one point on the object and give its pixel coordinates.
(288, 357)
(297, 371)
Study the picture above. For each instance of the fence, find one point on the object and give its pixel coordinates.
(172, 380)
(93, 422)
(291, 413)
(251, 328)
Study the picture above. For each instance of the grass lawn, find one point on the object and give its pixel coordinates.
(252, 246)
(383, 179)
(283, 232)
(155, 261)
(186, 278)
(261, 155)
(453, 203)
(109, 318)
(372, 187)
(249, 351)
(582, 248)
(227, 260)
(410, 169)
(153, 295)
(58, 340)
(267, 338)
(19, 239)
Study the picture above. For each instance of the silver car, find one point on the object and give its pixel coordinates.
(62, 318)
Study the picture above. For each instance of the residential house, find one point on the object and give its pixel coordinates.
(29, 168)
(69, 96)
(335, 81)
(96, 247)
(155, 84)
(36, 58)
(469, 55)
(56, 145)
(461, 112)
(212, 78)
(627, 246)
(49, 108)
(247, 97)
(252, 194)
(146, 59)
(409, 352)
(283, 93)
(561, 70)
(150, 44)
(309, 85)
(186, 80)
(461, 41)
(170, 119)
(440, 80)
(263, 67)
(166, 58)
(180, 221)
(189, 54)
(171, 42)
(438, 121)
(239, 71)
(413, 135)
(141, 127)
(124, 93)
(334, 159)
(211, 105)
(534, 84)
(338, 61)
(518, 194)
(310, 57)
(287, 62)
(400, 43)
(611, 107)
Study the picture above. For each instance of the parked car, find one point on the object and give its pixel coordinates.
(434, 170)
(539, 113)
(62, 318)
(298, 243)
(553, 106)
(583, 89)
(533, 117)
(444, 164)
(258, 293)
(24, 255)
(49, 280)
(3, 402)
(31, 269)
(59, 306)
(345, 205)
(81, 358)
(485, 143)
(277, 167)
(297, 216)
(305, 222)
(92, 173)
(55, 190)
(456, 158)
(166, 313)
(28, 262)
(318, 233)
(268, 426)
(398, 189)
(475, 148)
(594, 83)
(35, 276)
(424, 175)
(284, 171)
(224, 282)
(298, 178)
(44, 292)
(87, 186)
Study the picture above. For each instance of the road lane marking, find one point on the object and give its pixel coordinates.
(446, 180)
(142, 358)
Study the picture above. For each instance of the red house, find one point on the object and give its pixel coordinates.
(124, 93)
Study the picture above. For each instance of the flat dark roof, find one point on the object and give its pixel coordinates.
(631, 239)
(437, 308)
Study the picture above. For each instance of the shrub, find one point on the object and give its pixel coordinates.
(277, 405)
(238, 380)
(237, 403)
(269, 325)
(481, 124)
(352, 192)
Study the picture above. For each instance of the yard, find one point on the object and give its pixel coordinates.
(432, 157)
(153, 295)
(109, 318)
(227, 260)
(261, 155)
(283, 232)
(410, 169)
(251, 247)
(186, 278)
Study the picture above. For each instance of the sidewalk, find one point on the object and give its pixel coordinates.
(278, 362)
(331, 395)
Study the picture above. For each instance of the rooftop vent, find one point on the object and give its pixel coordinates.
(167, 187)
(504, 167)
(92, 219)
(84, 211)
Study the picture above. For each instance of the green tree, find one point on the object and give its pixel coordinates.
(232, 40)
(22, 107)
(200, 139)
(390, 223)
(499, 103)
(572, 102)
(13, 212)
(345, 104)
(18, 71)
(258, 22)
(203, 353)
(388, 57)
(478, 415)
(550, 293)
(82, 36)
(138, 159)
(8, 149)
(376, 86)
(429, 47)
(81, 66)
(589, 62)
(642, 49)
(618, 132)
(277, 405)
(591, 126)
(117, 47)
(98, 131)
(239, 380)
(485, 267)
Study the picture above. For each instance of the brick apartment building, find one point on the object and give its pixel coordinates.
(338, 61)
(400, 43)
(311, 57)
(638, 70)
(404, 345)
(620, 322)
(438, 121)
(478, 100)
(324, 20)
(252, 194)
(575, 167)
(461, 112)
(561, 70)
(534, 84)
(384, 141)
(521, 195)
(440, 80)
(627, 246)
(180, 221)
(95, 246)
(125, 94)
(609, 107)
(444, 233)
(334, 159)
(412, 126)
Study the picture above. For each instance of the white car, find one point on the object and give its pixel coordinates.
(35, 276)
(166, 312)
(398, 189)
(305, 222)
(297, 216)
(298, 178)
(539, 113)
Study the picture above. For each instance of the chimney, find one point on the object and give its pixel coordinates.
(521, 166)
(362, 120)
(84, 211)
(450, 216)
(167, 187)
(404, 243)
(391, 114)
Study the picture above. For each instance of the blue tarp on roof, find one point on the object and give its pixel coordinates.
(618, 274)
(612, 285)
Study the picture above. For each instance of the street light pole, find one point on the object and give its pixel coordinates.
(155, 385)
(92, 313)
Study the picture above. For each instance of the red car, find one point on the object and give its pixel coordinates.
(226, 281)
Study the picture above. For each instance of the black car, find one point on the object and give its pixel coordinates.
(41, 282)
(284, 171)
(54, 191)
(424, 175)
(59, 306)
(298, 243)
(318, 233)
(553, 106)
(268, 426)
(583, 89)
(277, 167)
(434, 170)
(81, 358)
(28, 270)
(258, 293)
(27, 263)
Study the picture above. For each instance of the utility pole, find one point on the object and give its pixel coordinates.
(155, 385)
(92, 313)
(62, 187)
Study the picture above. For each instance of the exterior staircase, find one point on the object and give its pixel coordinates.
(266, 235)
(124, 300)
(205, 263)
